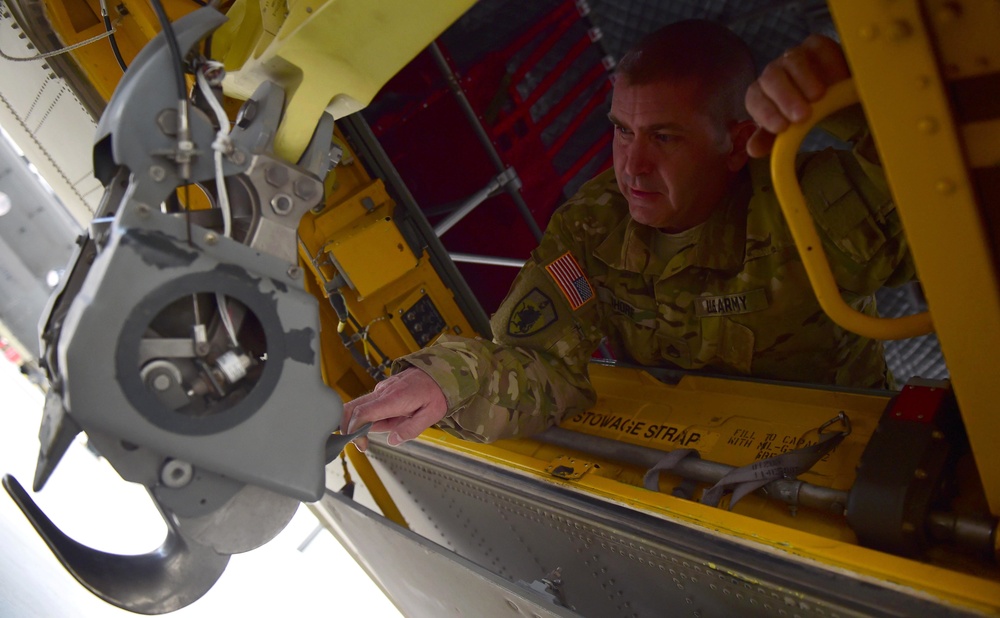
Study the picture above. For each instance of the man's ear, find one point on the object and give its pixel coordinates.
(739, 134)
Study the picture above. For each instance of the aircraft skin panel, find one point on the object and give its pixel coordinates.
(613, 560)
(425, 579)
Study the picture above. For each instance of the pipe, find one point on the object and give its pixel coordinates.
(793, 492)
(471, 258)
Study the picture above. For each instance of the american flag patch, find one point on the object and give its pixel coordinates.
(571, 280)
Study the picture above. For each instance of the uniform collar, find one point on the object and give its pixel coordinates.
(721, 246)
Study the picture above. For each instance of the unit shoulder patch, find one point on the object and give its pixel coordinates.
(572, 282)
(531, 314)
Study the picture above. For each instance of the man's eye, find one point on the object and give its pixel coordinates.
(664, 137)
(622, 131)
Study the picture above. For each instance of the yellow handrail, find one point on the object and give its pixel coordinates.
(793, 204)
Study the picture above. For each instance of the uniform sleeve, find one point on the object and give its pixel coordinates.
(534, 372)
(853, 209)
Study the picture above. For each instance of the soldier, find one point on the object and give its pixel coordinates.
(680, 255)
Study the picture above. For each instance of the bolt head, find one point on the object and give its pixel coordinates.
(246, 114)
(276, 175)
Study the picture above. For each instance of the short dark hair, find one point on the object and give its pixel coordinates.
(695, 49)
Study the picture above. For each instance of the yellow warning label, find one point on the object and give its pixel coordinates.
(657, 434)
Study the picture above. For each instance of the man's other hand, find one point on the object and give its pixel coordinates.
(402, 405)
(789, 85)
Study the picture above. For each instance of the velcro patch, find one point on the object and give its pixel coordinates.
(568, 275)
(731, 304)
(531, 314)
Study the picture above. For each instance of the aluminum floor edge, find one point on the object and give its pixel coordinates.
(479, 529)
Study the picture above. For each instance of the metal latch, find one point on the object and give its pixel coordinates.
(566, 467)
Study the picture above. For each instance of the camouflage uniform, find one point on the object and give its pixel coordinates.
(737, 301)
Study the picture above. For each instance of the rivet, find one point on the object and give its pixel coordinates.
(937, 435)
(157, 173)
(908, 527)
(920, 473)
(294, 272)
(238, 157)
(142, 209)
(949, 12)
(899, 30)
(211, 238)
(945, 186)
(924, 81)
(868, 33)
(927, 125)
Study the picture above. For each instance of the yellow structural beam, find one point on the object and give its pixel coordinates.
(891, 50)
(328, 54)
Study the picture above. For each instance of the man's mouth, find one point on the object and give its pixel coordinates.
(640, 194)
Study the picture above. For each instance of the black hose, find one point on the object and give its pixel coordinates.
(114, 44)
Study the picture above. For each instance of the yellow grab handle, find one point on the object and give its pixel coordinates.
(793, 204)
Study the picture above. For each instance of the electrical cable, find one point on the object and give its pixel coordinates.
(111, 37)
(175, 51)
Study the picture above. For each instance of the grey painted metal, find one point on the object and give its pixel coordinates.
(616, 561)
(148, 264)
(425, 579)
(170, 577)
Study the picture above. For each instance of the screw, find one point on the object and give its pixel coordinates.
(157, 173)
(294, 272)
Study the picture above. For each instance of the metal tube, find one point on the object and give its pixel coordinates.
(470, 204)
(484, 137)
(793, 492)
(470, 258)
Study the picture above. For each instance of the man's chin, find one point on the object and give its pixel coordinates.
(648, 214)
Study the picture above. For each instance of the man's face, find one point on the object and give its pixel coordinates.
(673, 161)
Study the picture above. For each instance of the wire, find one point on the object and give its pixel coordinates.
(222, 144)
(50, 54)
(175, 51)
(111, 37)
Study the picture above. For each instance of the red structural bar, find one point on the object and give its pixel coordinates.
(558, 16)
(524, 108)
(595, 99)
(585, 159)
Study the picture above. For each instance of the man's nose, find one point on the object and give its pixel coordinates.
(638, 158)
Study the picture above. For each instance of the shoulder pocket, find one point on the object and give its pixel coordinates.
(838, 208)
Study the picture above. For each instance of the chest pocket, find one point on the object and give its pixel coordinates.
(728, 343)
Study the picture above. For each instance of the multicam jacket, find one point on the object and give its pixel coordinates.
(737, 301)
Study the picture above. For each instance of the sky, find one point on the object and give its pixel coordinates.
(87, 499)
